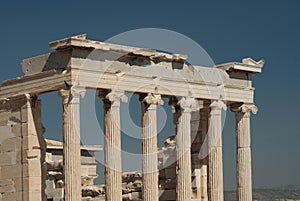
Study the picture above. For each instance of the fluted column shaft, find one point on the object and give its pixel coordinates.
(243, 151)
(112, 145)
(215, 159)
(183, 109)
(71, 138)
(149, 146)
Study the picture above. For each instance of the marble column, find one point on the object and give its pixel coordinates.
(112, 144)
(71, 144)
(215, 160)
(243, 150)
(183, 109)
(149, 146)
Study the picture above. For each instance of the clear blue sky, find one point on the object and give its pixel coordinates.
(228, 31)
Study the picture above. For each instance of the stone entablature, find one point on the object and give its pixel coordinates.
(49, 73)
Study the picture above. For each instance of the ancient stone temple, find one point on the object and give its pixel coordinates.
(198, 96)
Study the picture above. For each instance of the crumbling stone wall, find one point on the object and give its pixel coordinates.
(55, 178)
(21, 149)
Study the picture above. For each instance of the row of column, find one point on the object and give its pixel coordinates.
(183, 108)
(243, 151)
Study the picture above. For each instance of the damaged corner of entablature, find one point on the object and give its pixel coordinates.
(16, 102)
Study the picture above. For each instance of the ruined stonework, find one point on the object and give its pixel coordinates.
(188, 168)
(55, 175)
(22, 149)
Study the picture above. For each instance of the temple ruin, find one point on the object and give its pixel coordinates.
(197, 95)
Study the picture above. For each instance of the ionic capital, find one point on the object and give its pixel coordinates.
(113, 97)
(218, 105)
(77, 91)
(74, 92)
(245, 108)
(152, 99)
(187, 104)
